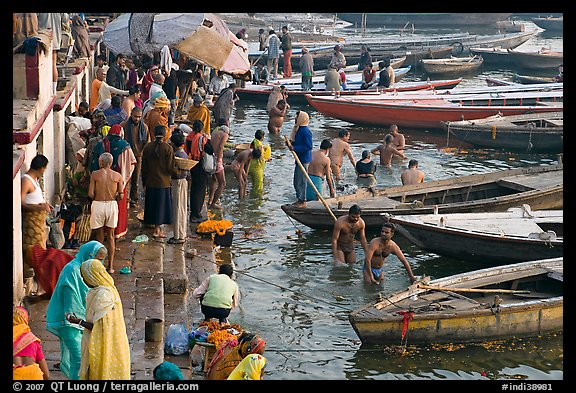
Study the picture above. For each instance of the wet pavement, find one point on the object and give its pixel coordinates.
(160, 286)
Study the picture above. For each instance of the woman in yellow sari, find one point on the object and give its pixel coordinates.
(105, 348)
(27, 357)
(256, 166)
(250, 368)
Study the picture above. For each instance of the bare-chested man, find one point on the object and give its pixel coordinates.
(399, 140)
(105, 189)
(387, 151)
(218, 179)
(412, 175)
(240, 168)
(340, 148)
(378, 249)
(318, 170)
(276, 116)
(343, 234)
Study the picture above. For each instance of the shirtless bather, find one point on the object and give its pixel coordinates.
(378, 249)
(276, 116)
(345, 230)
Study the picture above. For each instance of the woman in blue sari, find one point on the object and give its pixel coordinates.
(69, 296)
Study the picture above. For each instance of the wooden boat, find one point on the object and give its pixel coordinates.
(516, 235)
(458, 65)
(549, 23)
(529, 79)
(534, 132)
(492, 55)
(498, 82)
(537, 60)
(420, 113)
(419, 19)
(515, 300)
(296, 95)
(541, 187)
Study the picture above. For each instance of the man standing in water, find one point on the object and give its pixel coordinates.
(276, 116)
(343, 234)
(340, 148)
(387, 151)
(375, 256)
(412, 175)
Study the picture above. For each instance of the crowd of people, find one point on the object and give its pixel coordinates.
(129, 158)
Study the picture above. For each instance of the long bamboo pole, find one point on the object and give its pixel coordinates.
(310, 182)
(479, 290)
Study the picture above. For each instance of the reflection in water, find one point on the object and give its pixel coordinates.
(511, 359)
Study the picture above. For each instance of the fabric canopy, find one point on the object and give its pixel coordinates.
(202, 36)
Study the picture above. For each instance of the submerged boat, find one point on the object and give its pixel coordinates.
(516, 300)
(534, 132)
(541, 187)
(516, 235)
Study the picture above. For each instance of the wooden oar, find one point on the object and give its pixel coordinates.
(433, 287)
(308, 178)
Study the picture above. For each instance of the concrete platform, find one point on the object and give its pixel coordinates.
(160, 286)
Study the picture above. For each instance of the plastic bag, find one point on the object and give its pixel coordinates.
(176, 342)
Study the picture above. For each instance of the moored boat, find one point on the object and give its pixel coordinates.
(537, 60)
(459, 65)
(296, 95)
(439, 19)
(425, 112)
(517, 300)
(550, 23)
(532, 132)
(530, 79)
(516, 235)
(492, 55)
(541, 187)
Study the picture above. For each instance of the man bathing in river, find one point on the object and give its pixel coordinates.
(343, 234)
(378, 249)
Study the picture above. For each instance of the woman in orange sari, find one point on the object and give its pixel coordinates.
(28, 360)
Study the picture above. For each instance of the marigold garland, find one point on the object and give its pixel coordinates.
(218, 226)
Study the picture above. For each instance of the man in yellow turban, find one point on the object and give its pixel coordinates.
(159, 116)
(199, 111)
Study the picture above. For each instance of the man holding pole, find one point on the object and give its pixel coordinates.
(301, 145)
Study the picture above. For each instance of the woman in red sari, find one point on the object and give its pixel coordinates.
(28, 360)
(147, 82)
(47, 264)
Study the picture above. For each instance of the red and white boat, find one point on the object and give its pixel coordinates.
(427, 111)
(295, 95)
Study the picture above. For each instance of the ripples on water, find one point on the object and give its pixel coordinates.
(299, 302)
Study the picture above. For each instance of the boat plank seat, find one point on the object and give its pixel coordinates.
(522, 182)
(555, 123)
(556, 273)
(503, 277)
(516, 227)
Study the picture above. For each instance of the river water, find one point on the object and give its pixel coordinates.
(294, 297)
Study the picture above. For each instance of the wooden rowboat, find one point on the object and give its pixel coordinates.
(537, 60)
(550, 23)
(458, 65)
(537, 132)
(297, 95)
(516, 235)
(541, 187)
(423, 112)
(516, 300)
